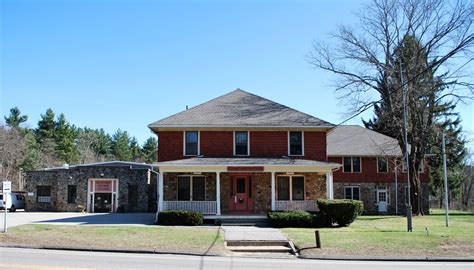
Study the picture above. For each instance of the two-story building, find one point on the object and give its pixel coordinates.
(242, 154)
(372, 170)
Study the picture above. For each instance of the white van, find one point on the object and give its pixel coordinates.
(14, 201)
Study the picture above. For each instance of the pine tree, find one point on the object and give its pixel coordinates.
(150, 150)
(45, 138)
(15, 118)
(120, 146)
(64, 136)
(135, 150)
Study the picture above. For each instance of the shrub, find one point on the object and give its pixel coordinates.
(340, 212)
(177, 217)
(300, 219)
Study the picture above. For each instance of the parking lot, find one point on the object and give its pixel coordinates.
(75, 218)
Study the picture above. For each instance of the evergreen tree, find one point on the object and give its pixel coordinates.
(64, 136)
(15, 118)
(121, 146)
(135, 150)
(45, 138)
(456, 153)
(150, 150)
(46, 127)
(424, 107)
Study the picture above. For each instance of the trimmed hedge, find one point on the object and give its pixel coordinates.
(340, 212)
(299, 219)
(177, 217)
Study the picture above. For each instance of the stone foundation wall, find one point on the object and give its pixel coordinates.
(368, 196)
(59, 180)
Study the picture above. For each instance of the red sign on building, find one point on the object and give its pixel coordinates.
(103, 186)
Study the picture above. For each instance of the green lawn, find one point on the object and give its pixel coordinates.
(386, 236)
(201, 240)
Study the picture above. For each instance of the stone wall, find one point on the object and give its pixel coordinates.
(59, 180)
(368, 196)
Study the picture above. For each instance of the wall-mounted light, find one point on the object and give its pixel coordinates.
(102, 175)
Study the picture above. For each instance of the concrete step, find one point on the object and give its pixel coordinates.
(283, 249)
(244, 222)
(257, 243)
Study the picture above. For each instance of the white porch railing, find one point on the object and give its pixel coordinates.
(310, 205)
(205, 207)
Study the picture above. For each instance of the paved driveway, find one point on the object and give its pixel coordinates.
(74, 218)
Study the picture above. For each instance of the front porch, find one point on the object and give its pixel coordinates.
(230, 187)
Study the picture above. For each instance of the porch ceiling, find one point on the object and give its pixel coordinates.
(246, 164)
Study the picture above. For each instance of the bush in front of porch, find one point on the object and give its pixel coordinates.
(340, 213)
(333, 213)
(179, 217)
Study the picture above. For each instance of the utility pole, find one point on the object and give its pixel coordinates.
(396, 188)
(445, 174)
(405, 136)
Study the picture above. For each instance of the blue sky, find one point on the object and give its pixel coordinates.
(124, 64)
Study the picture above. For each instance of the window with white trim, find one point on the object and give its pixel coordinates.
(191, 188)
(295, 143)
(290, 188)
(420, 169)
(241, 143)
(191, 143)
(351, 165)
(382, 165)
(351, 193)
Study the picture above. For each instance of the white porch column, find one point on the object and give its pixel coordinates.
(218, 193)
(329, 185)
(160, 191)
(273, 191)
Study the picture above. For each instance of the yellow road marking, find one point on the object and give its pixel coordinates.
(38, 267)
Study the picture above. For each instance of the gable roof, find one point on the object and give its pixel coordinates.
(240, 109)
(358, 141)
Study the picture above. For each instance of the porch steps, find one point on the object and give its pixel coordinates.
(238, 221)
(260, 246)
(252, 239)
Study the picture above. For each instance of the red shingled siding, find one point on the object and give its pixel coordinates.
(217, 143)
(315, 145)
(369, 172)
(268, 143)
(170, 145)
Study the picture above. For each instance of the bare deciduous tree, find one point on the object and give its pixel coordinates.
(362, 59)
(12, 154)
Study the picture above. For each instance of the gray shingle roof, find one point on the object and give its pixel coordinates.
(203, 161)
(359, 141)
(240, 109)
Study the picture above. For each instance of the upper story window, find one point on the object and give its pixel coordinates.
(382, 165)
(421, 169)
(295, 143)
(352, 165)
(241, 143)
(191, 143)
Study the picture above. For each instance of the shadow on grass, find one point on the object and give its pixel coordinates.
(371, 218)
(452, 214)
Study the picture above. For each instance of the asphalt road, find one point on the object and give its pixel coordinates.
(11, 258)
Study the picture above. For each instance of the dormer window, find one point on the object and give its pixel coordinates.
(191, 143)
(241, 143)
(295, 143)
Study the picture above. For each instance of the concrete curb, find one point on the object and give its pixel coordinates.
(387, 258)
(154, 251)
(134, 251)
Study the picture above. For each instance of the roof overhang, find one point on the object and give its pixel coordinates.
(230, 128)
(237, 166)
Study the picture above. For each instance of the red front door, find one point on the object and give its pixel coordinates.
(240, 200)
